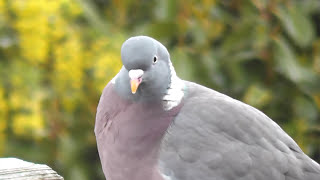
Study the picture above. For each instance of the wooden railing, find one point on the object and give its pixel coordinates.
(17, 169)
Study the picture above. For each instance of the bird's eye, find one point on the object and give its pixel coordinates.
(155, 59)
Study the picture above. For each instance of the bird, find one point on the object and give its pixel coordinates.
(152, 125)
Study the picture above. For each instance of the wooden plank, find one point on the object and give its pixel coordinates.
(17, 169)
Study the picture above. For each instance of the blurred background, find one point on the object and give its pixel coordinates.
(57, 55)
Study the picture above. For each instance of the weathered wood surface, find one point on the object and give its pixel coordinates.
(16, 169)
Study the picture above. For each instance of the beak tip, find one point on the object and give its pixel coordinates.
(135, 76)
(134, 85)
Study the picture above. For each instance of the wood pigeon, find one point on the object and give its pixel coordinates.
(151, 125)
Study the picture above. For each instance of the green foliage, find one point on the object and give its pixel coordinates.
(56, 57)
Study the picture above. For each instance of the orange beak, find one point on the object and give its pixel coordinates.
(135, 84)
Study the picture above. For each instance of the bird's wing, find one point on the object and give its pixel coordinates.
(217, 137)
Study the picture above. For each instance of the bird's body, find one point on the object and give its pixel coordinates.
(229, 140)
(165, 128)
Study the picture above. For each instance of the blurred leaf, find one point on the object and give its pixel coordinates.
(309, 6)
(297, 25)
(166, 10)
(239, 38)
(91, 12)
(238, 43)
(200, 37)
(162, 29)
(77, 172)
(214, 70)
(183, 64)
(288, 65)
(257, 96)
(317, 100)
(297, 129)
(304, 108)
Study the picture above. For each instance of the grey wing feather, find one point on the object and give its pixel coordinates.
(217, 137)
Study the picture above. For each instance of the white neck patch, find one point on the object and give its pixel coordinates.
(175, 92)
(113, 81)
(165, 177)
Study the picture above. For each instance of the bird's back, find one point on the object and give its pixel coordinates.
(217, 137)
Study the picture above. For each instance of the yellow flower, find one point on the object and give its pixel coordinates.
(69, 63)
(28, 124)
(20, 123)
(3, 13)
(31, 122)
(106, 67)
(32, 26)
(17, 100)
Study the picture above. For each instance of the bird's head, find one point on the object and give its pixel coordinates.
(145, 74)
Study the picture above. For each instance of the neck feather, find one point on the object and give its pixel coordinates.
(175, 91)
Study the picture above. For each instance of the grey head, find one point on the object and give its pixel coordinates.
(145, 75)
